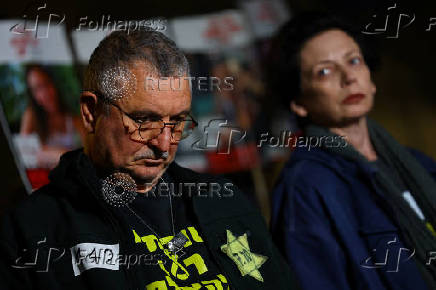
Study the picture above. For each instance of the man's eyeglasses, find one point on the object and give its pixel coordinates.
(143, 128)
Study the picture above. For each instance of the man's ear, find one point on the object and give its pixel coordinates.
(298, 109)
(88, 107)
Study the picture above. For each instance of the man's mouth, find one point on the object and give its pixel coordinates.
(150, 157)
(153, 161)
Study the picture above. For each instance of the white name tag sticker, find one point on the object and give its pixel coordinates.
(86, 256)
(412, 203)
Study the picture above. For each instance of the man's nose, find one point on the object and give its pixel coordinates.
(163, 140)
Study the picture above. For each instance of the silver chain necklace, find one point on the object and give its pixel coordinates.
(119, 189)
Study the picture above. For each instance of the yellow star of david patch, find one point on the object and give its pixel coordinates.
(239, 251)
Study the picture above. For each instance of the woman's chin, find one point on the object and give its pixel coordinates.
(356, 113)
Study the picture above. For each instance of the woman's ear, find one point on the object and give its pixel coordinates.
(298, 109)
(88, 107)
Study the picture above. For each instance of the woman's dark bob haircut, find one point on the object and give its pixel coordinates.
(284, 71)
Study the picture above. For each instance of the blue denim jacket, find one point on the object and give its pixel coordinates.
(332, 224)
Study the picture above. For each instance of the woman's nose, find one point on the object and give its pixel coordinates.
(348, 76)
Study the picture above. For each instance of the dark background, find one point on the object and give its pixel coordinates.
(405, 102)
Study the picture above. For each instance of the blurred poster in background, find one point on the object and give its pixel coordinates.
(39, 95)
(39, 89)
(226, 50)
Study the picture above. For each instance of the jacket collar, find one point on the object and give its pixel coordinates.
(76, 176)
(330, 160)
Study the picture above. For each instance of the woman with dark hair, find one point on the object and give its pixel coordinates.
(47, 117)
(348, 215)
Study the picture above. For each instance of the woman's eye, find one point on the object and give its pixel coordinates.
(355, 60)
(324, 71)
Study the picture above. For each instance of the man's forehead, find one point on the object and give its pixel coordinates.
(144, 68)
(151, 100)
(156, 95)
(148, 78)
(157, 108)
(141, 68)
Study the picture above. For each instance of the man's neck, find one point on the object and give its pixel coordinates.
(143, 187)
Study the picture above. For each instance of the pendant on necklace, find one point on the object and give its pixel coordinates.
(177, 243)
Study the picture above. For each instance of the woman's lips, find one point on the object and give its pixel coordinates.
(353, 99)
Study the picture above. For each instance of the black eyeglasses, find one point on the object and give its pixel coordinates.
(146, 129)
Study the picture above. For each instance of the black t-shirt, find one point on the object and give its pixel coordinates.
(193, 266)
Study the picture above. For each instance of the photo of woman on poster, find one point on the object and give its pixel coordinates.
(46, 117)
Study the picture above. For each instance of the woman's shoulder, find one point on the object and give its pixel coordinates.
(317, 159)
(426, 161)
(28, 121)
(317, 169)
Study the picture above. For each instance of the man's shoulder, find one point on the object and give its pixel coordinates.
(40, 200)
(35, 214)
